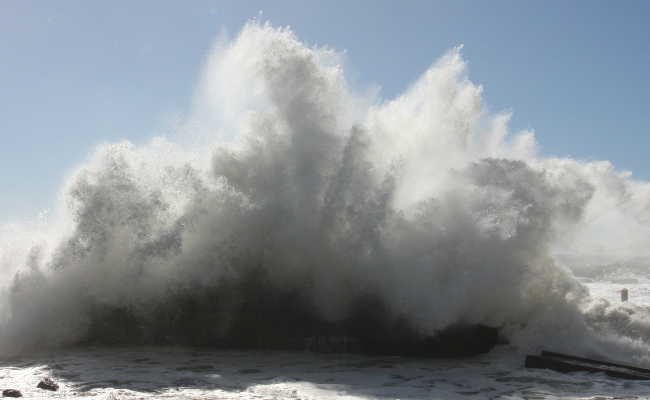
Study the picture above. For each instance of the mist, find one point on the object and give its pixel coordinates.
(288, 200)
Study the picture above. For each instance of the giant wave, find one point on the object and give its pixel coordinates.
(291, 204)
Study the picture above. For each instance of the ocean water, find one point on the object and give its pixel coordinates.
(164, 372)
(184, 373)
(289, 199)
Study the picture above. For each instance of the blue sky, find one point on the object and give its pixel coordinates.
(77, 73)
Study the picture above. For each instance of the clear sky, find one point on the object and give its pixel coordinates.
(77, 73)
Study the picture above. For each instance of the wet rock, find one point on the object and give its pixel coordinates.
(11, 393)
(48, 384)
(459, 341)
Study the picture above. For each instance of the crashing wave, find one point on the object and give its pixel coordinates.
(290, 205)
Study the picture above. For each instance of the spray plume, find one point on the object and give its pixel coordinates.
(305, 204)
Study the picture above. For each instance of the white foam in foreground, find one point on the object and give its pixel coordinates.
(175, 373)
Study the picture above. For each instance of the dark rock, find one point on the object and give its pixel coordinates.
(11, 393)
(459, 341)
(48, 384)
(568, 363)
(266, 316)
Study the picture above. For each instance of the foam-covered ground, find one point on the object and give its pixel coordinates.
(176, 373)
